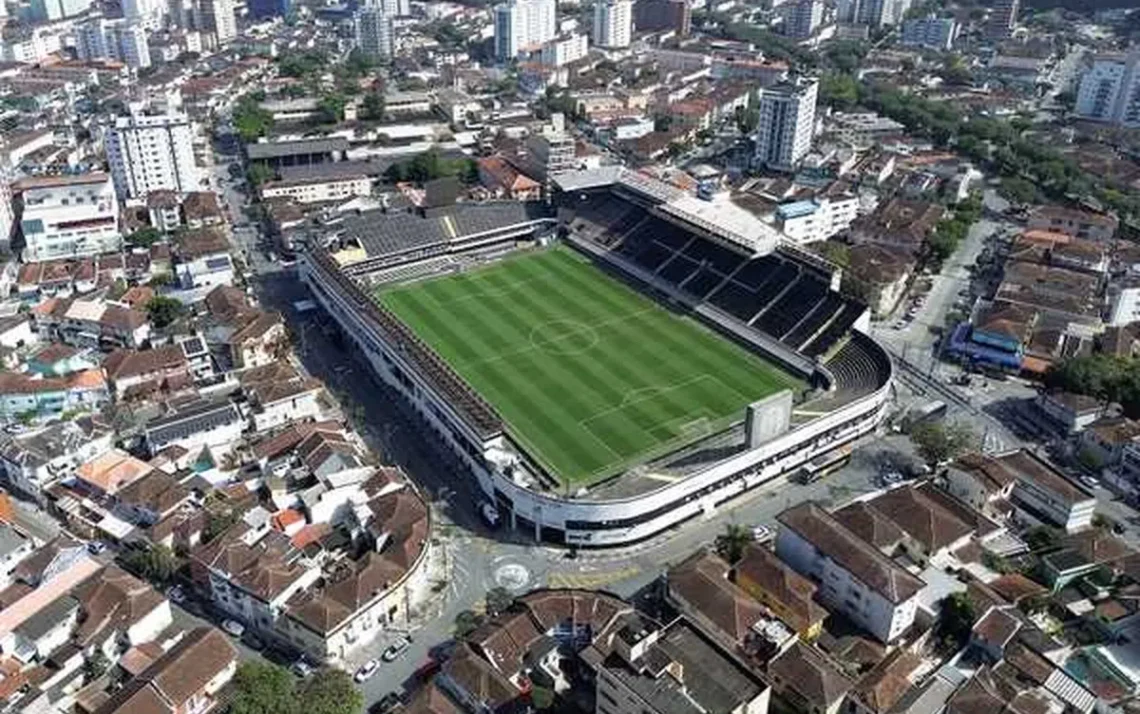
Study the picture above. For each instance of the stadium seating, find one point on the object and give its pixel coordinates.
(815, 320)
(677, 270)
(700, 283)
(736, 300)
(833, 332)
(793, 305)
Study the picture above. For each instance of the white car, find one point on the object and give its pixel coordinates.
(175, 594)
(761, 534)
(396, 649)
(366, 670)
(1090, 481)
(234, 627)
(302, 668)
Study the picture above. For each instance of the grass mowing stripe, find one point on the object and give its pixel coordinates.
(658, 372)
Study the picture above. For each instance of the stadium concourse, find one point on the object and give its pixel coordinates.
(603, 391)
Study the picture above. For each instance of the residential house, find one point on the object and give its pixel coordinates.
(879, 274)
(88, 323)
(809, 681)
(163, 209)
(186, 679)
(31, 462)
(982, 483)
(280, 395)
(856, 578)
(784, 592)
(200, 209)
(111, 471)
(884, 685)
(1081, 224)
(254, 337)
(14, 548)
(44, 397)
(200, 425)
(1103, 443)
(119, 611)
(902, 223)
(135, 373)
(700, 588)
(1046, 494)
(152, 498)
(1070, 412)
(57, 360)
(16, 331)
(505, 181)
(644, 667)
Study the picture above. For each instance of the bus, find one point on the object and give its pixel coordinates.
(824, 464)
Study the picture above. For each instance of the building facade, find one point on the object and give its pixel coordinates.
(613, 23)
(122, 40)
(663, 15)
(152, 152)
(1110, 90)
(1003, 19)
(787, 121)
(375, 34)
(936, 33)
(69, 217)
(804, 18)
(218, 17)
(565, 49)
(523, 24)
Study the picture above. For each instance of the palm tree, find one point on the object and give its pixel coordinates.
(730, 544)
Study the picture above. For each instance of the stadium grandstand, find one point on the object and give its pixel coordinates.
(661, 255)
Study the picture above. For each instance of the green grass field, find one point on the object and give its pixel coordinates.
(590, 375)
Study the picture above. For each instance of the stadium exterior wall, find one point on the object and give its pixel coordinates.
(588, 522)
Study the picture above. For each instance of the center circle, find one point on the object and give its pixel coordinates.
(563, 337)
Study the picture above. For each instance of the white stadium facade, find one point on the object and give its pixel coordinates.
(715, 262)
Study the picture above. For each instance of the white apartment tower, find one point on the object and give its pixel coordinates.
(147, 13)
(149, 152)
(69, 216)
(804, 18)
(1110, 90)
(121, 40)
(787, 120)
(613, 23)
(375, 33)
(218, 18)
(396, 8)
(876, 13)
(523, 24)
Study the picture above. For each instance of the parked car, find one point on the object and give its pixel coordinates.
(175, 594)
(96, 547)
(1090, 481)
(489, 513)
(396, 649)
(761, 534)
(366, 670)
(302, 668)
(234, 628)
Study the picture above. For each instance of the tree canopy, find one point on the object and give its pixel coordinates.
(955, 620)
(431, 165)
(163, 310)
(937, 442)
(264, 688)
(1104, 376)
(730, 545)
(250, 120)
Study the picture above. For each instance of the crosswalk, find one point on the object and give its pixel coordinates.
(590, 580)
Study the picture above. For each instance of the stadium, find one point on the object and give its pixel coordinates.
(614, 363)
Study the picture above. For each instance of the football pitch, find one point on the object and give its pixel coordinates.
(589, 375)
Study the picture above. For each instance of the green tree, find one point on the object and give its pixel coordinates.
(156, 562)
(1017, 190)
(330, 108)
(955, 620)
(259, 174)
(747, 119)
(261, 687)
(250, 120)
(498, 601)
(836, 252)
(730, 545)
(467, 622)
(938, 442)
(541, 697)
(145, 237)
(1042, 538)
(839, 91)
(373, 106)
(163, 310)
(330, 691)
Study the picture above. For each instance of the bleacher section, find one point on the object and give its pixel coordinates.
(787, 298)
(859, 367)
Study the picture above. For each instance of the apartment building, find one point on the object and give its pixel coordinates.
(564, 49)
(787, 121)
(1110, 89)
(804, 19)
(68, 216)
(816, 219)
(375, 33)
(613, 23)
(121, 40)
(935, 33)
(1046, 494)
(152, 152)
(522, 25)
(218, 17)
(854, 578)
